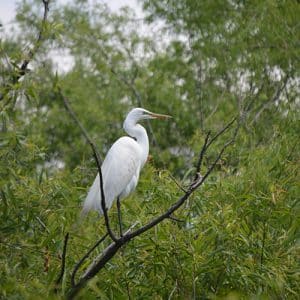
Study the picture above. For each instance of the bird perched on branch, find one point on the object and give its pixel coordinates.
(123, 163)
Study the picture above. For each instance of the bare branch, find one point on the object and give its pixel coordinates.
(97, 159)
(199, 163)
(78, 265)
(31, 53)
(177, 183)
(221, 132)
(230, 142)
(197, 184)
(176, 219)
(35, 48)
(107, 251)
(205, 146)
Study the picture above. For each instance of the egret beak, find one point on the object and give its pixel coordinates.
(159, 116)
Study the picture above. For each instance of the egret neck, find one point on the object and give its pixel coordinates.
(139, 133)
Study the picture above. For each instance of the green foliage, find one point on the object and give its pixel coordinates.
(239, 235)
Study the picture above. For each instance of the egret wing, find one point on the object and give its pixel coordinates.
(121, 164)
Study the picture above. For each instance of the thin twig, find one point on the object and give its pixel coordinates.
(173, 291)
(78, 265)
(203, 150)
(177, 183)
(263, 245)
(197, 184)
(176, 219)
(107, 251)
(63, 263)
(221, 132)
(42, 224)
(74, 117)
(207, 143)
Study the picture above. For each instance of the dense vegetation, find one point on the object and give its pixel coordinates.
(204, 63)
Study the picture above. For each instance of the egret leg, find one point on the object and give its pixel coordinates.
(119, 215)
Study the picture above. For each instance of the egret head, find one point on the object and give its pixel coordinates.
(138, 114)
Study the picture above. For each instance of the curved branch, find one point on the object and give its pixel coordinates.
(97, 159)
(35, 48)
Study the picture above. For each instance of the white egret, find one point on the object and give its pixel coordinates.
(123, 163)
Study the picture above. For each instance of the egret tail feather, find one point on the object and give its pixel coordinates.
(93, 199)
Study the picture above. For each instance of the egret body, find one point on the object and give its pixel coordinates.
(123, 162)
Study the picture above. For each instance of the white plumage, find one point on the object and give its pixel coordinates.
(123, 163)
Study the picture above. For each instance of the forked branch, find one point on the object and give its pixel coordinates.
(78, 265)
